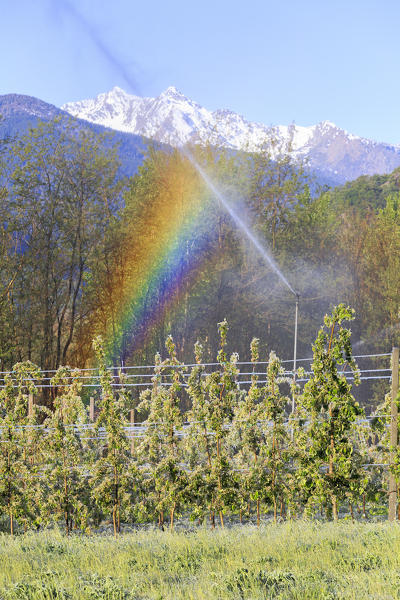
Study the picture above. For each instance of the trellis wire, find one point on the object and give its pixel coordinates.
(80, 376)
(209, 364)
(151, 375)
(133, 431)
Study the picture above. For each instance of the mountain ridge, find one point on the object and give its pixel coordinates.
(19, 113)
(174, 119)
(332, 153)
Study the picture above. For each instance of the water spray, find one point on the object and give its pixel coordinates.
(261, 250)
(241, 224)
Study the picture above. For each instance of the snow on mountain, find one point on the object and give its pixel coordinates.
(174, 119)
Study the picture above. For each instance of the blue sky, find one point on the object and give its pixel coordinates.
(272, 61)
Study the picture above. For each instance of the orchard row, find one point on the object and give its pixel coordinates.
(233, 453)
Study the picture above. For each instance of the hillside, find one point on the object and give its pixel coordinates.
(367, 192)
(19, 113)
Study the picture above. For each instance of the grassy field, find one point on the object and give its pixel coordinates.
(290, 561)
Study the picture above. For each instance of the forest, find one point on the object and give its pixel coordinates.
(86, 252)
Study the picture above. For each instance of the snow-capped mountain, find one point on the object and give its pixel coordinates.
(174, 119)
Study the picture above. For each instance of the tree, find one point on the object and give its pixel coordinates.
(278, 180)
(66, 481)
(213, 407)
(247, 438)
(111, 480)
(17, 475)
(378, 268)
(329, 462)
(161, 447)
(276, 450)
(62, 196)
(261, 437)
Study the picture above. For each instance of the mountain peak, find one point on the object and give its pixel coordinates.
(173, 93)
(327, 125)
(118, 91)
(20, 103)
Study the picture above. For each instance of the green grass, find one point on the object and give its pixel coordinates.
(297, 560)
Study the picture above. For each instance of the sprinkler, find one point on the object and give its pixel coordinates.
(295, 348)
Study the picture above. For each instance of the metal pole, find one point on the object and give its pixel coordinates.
(295, 352)
(393, 433)
(294, 362)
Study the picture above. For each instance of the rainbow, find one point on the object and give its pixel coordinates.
(167, 244)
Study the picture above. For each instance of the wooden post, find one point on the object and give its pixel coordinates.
(132, 422)
(91, 409)
(30, 406)
(393, 433)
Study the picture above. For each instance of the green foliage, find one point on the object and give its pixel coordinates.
(111, 480)
(214, 398)
(62, 195)
(259, 432)
(277, 183)
(76, 245)
(331, 465)
(98, 588)
(234, 448)
(17, 481)
(160, 448)
(65, 482)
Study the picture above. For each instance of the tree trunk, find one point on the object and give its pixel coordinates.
(331, 467)
(114, 520)
(172, 516)
(352, 512)
(212, 520)
(334, 508)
